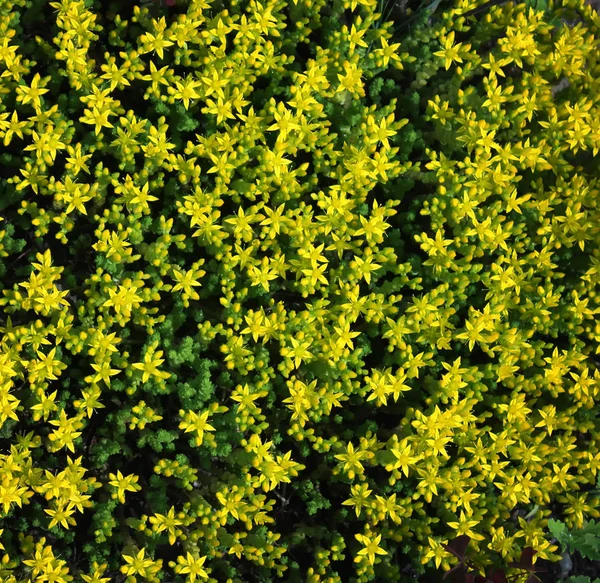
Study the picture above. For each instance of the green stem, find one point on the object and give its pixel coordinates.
(533, 512)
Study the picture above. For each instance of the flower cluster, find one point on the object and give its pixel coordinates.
(283, 296)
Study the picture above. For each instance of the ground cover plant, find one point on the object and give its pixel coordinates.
(292, 292)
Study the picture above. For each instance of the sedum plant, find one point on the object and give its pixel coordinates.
(289, 295)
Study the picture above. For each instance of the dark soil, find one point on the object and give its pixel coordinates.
(581, 567)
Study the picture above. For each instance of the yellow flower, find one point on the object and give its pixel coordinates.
(156, 42)
(66, 431)
(32, 93)
(364, 267)
(344, 334)
(149, 368)
(465, 498)
(137, 564)
(8, 407)
(275, 218)
(221, 108)
(45, 406)
(352, 460)
(11, 493)
(104, 372)
(96, 574)
(8, 52)
(216, 80)
(46, 145)
(124, 299)
(157, 76)
(267, 22)
(403, 454)
(158, 147)
(168, 522)
(76, 161)
(187, 281)
(231, 504)
(472, 333)
(351, 79)
(61, 515)
(186, 90)
(517, 409)
(429, 480)
(355, 35)
(298, 352)
(123, 484)
(465, 526)
(390, 52)
(14, 127)
(451, 52)
(436, 551)
(192, 566)
(275, 160)
(371, 547)
(97, 118)
(245, 397)
(284, 122)
(380, 132)
(360, 494)
(495, 67)
(114, 74)
(90, 400)
(192, 421)
(141, 197)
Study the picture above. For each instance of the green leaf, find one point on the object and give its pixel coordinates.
(591, 528)
(557, 528)
(588, 547)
